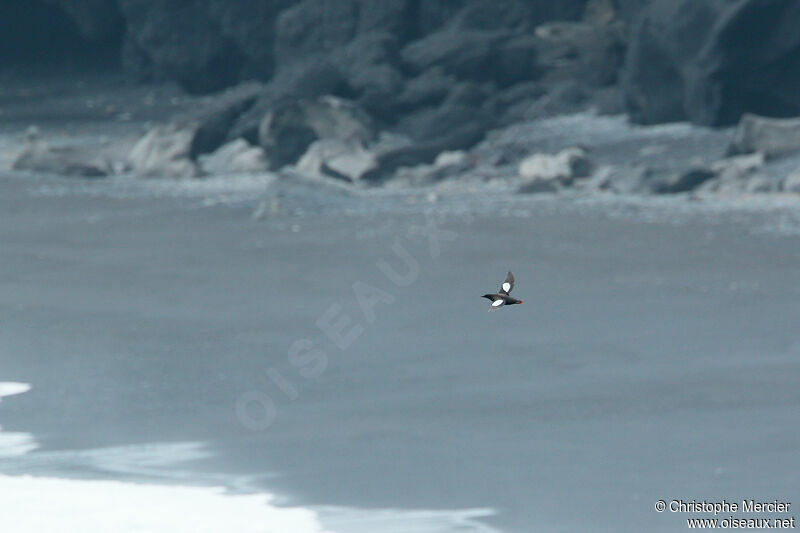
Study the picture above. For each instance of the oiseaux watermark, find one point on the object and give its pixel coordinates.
(257, 410)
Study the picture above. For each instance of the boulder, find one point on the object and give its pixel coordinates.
(305, 80)
(390, 160)
(285, 135)
(738, 166)
(287, 131)
(791, 183)
(235, 157)
(549, 172)
(728, 184)
(447, 165)
(345, 160)
(601, 180)
(40, 156)
(761, 183)
(771, 136)
(215, 121)
(738, 174)
(642, 179)
(165, 151)
(624, 179)
(678, 182)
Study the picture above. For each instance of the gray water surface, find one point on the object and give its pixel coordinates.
(657, 355)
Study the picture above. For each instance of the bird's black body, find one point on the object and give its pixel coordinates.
(507, 300)
(502, 297)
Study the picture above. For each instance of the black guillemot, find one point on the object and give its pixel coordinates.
(502, 297)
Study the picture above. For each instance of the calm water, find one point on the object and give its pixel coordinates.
(170, 337)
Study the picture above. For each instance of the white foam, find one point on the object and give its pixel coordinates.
(41, 505)
(399, 521)
(52, 504)
(10, 388)
(15, 444)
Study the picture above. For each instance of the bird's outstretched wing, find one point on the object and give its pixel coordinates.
(497, 304)
(508, 284)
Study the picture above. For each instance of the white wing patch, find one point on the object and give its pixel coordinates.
(497, 303)
(506, 286)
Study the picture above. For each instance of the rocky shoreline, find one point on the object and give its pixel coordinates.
(332, 138)
(589, 95)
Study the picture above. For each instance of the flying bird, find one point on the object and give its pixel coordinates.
(502, 297)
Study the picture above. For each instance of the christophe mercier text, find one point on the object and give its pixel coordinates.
(747, 506)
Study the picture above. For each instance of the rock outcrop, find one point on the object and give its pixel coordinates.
(40, 156)
(286, 132)
(770, 136)
(687, 59)
(78, 160)
(551, 172)
(336, 158)
(165, 152)
(663, 46)
(683, 58)
(235, 157)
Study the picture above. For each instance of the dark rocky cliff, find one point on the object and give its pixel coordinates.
(452, 63)
(710, 61)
